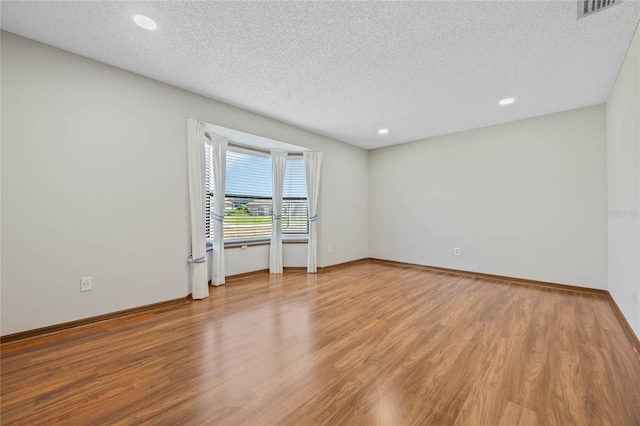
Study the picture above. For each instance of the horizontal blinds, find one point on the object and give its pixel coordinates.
(248, 205)
(294, 202)
(247, 219)
(248, 209)
(248, 175)
(208, 199)
(295, 185)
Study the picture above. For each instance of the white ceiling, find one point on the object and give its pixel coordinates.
(346, 69)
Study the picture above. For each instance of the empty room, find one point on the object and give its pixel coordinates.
(320, 212)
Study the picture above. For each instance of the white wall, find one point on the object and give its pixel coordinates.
(240, 260)
(623, 180)
(0, 181)
(94, 183)
(524, 199)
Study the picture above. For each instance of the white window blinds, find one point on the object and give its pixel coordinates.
(248, 206)
(294, 200)
(248, 198)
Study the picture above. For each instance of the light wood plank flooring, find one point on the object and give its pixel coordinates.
(365, 344)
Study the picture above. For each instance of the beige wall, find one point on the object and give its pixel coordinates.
(524, 199)
(94, 183)
(623, 182)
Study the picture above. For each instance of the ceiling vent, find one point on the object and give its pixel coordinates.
(589, 7)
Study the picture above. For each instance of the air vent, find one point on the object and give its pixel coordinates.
(589, 7)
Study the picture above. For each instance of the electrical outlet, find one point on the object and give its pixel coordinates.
(456, 251)
(635, 295)
(330, 248)
(86, 283)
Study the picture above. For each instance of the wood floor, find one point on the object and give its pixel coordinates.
(365, 344)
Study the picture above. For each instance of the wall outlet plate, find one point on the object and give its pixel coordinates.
(456, 251)
(86, 283)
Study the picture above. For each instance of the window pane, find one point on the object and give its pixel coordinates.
(294, 203)
(208, 198)
(247, 218)
(294, 179)
(248, 175)
(248, 200)
(294, 217)
(248, 205)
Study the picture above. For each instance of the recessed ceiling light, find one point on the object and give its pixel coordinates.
(383, 131)
(145, 22)
(506, 101)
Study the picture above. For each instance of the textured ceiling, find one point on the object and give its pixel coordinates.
(346, 69)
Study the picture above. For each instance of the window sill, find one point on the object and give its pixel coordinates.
(296, 241)
(257, 243)
(247, 244)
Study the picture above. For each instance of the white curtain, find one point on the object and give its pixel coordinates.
(312, 166)
(219, 145)
(278, 167)
(195, 152)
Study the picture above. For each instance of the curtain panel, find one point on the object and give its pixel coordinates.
(312, 166)
(219, 145)
(196, 171)
(278, 167)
